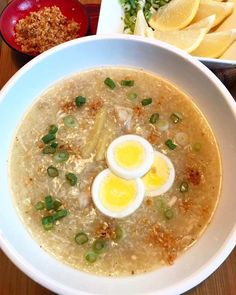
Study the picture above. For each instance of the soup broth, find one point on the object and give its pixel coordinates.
(163, 226)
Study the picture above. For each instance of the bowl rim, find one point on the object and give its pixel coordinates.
(180, 287)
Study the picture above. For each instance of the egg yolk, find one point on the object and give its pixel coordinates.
(129, 154)
(157, 175)
(117, 193)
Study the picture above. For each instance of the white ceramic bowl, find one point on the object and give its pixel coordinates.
(179, 68)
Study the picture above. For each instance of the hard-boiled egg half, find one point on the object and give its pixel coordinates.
(119, 191)
(130, 156)
(160, 178)
(115, 196)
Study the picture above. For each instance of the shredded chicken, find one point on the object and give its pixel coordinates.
(124, 116)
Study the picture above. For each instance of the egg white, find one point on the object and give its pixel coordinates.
(152, 192)
(130, 173)
(131, 208)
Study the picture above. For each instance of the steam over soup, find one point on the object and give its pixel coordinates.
(62, 146)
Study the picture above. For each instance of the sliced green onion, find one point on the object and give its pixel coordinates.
(56, 205)
(72, 178)
(132, 96)
(197, 147)
(52, 171)
(110, 83)
(160, 204)
(154, 118)
(81, 238)
(175, 118)
(61, 156)
(119, 233)
(70, 121)
(53, 129)
(128, 83)
(48, 226)
(162, 125)
(60, 214)
(49, 150)
(181, 138)
(47, 138)
(54, 145)
(47, 222)
(99, 246)
(127, 7)
(80, 100)
(169, 143)
(146, 101)
(49, 202)
(148, 15)
(183, 188)
(39, 206)
(91, 257)
(168, 213)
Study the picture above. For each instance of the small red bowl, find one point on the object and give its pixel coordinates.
(18, 9)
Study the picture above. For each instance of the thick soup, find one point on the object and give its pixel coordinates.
(61, 146)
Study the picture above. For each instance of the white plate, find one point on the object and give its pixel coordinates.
(110, 22)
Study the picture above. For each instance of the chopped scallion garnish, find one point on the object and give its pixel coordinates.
(110, 83)
(168, 213)
(72, 178)
(183, 188)
(163, 125)
(53, 129)
(81, 238)
(119, 233)
(91, 257)
(70, 121)
(56, 205)
(197, 147)
(60, 214)
(175, 118)
(49, 203)
(169, 143)
(61, 156)
(132, 96)
(52, 171)
(154, 118)
(128, 83)
(49, 137)
(80, 100)
(99, 246)
(54, 145)
(47, 222)
(146, 101)
(39, 206)
(49, 150)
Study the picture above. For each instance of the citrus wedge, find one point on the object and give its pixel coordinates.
(175, 15)
(215, 44)
(205, 23)
(140, 24)
(209, 7)
(187, 40)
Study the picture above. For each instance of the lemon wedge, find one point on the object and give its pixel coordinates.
(209, 7)
(187, 40)
(140, 24)
(205, 23)
(175, 15)
(215, 44)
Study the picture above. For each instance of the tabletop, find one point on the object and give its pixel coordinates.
(14, 282)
